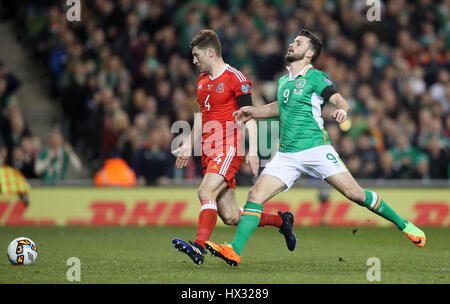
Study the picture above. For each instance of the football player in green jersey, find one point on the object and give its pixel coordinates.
(304, 147)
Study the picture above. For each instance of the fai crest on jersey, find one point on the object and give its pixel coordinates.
(300, 83)
(220, 87)
(245, 88)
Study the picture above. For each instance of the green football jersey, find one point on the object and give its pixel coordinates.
(300, 106)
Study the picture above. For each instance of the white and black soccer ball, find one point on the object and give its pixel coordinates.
(22, 251)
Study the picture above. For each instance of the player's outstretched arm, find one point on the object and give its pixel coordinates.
(340, 114)
(244, 114)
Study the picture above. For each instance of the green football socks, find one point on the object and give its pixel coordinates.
(247, 224)
(377, 205)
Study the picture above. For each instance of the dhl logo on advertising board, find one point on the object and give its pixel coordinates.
(180, 207)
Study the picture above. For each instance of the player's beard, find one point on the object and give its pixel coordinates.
(294, 57)
(203, 68)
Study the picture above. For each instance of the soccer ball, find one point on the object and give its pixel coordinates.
(22, 251)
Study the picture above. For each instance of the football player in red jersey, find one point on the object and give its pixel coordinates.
(221, 90)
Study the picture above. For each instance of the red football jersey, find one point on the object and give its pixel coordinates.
(217, 99)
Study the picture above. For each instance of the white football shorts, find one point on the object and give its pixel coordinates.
(320, 162)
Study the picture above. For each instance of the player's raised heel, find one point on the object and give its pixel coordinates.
(287, 229)
(193, 250)
(225, 252)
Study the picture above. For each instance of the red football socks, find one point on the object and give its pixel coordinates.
(206, 221)
(268, 219)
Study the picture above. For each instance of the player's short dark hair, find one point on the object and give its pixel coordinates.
(315, 42)
(207, 39)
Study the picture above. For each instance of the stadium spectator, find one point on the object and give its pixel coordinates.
(22, 163)
(153, 162)
(368, 156)
(439, 90)
(74, 98)
(55, 159)
(18, 128)
(11, 82)
(387, 170)
(116, 122)
(439, 160)
(408, 160)
(31, 147)
(13, 127)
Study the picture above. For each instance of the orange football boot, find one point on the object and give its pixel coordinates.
(416, 235)
(224, 251)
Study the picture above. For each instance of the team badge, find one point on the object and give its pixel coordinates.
(220, 87)
(245, 88)
(300, 83)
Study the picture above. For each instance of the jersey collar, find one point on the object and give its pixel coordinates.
(220, 74)
(301, 73)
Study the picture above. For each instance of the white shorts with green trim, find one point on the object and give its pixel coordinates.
(320, 162)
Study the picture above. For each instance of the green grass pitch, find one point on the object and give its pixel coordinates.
(146, 255)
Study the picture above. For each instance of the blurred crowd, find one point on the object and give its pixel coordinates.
(124, 74)
(17, 146)
(21, 149)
